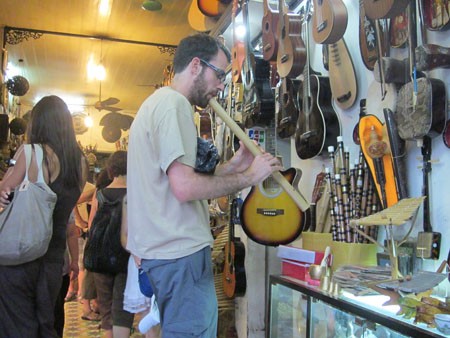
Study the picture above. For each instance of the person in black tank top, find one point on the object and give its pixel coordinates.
(28, 291)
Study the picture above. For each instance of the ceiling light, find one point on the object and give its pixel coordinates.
(88, 121)
(151, 5)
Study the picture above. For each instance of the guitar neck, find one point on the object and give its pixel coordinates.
(426, 169)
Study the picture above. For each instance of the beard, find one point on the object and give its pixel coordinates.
(199, 92)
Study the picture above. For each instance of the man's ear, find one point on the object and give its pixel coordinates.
(196, 66)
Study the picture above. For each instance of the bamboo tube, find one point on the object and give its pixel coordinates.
(296, 196)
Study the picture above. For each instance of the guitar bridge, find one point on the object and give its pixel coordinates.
(269, 212)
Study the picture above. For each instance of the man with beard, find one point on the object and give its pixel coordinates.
(167, 198)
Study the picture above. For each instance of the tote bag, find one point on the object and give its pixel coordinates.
(26, 224)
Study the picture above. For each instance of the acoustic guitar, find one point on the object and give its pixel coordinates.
(212, 8)
(234, 278)
(367, 39)
(197, 20)
(269, 32)
(318, 124)
(291, 54)
(259, 101)
(329, 21)
(436, 14)
(342, 75)
(269, 216)
(287, 115)
(383, 9)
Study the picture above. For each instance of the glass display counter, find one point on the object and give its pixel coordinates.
(299, 310)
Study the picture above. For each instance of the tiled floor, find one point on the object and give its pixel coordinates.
(76, 327)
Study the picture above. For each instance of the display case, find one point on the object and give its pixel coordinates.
(296, 309)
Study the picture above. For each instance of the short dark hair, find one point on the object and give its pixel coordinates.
(117, 164)
(199, 45)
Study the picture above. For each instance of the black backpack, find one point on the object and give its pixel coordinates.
(103, 252)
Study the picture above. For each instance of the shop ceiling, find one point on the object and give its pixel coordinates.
(135, 46)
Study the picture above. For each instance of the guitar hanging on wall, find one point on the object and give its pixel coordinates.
(329, 21)
(291, 54)
(318, 124)
(269, 33)
(234, 278)
(367, 39)
(259, 101)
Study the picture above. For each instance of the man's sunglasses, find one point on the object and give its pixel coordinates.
(221, 75)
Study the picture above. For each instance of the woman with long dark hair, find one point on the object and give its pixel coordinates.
(28, 291)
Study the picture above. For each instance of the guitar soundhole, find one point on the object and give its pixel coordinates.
(270, 188)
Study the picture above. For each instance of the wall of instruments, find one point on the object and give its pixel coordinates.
(392, 113)
(360, 94)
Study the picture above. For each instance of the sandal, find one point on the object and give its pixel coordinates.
(70, 296)
(91, 316)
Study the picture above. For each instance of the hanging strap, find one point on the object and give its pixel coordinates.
(39, 157)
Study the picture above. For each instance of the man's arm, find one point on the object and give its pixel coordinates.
(187, 185)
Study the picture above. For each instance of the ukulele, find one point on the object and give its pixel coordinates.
(269, 33)
(318, 124)
(291, 54)
(238, 49)
(234, 278)
(329, 21)
(269, 216)
(287, 110)
(383, 9)
(259, 101)
(436, 14)
(367, 39)
(197, 20)
(342, 75)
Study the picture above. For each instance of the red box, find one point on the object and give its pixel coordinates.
(294, 269)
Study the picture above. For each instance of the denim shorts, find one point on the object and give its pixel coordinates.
(184, 290)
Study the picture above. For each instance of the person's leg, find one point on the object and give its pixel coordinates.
(185, 293)
(122, 319)
(104, 286)
(59, 306)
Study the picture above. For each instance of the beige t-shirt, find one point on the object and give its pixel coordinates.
(160, 226)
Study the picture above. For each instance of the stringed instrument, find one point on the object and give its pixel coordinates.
(436, 14)
(380, 95)
(329, 21)
(342, 75)
(318, 124)
(212, 8)
(428, 232)
(269, 32)
(269, 216)
(382, 9)
(238, 49)
(398, 30)
(367, 39)
(259, 101)
(234, 279)
(422, 105)
(291, 54)
(430, 56)
(319, 187)
(197, 20)
(287, 109)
